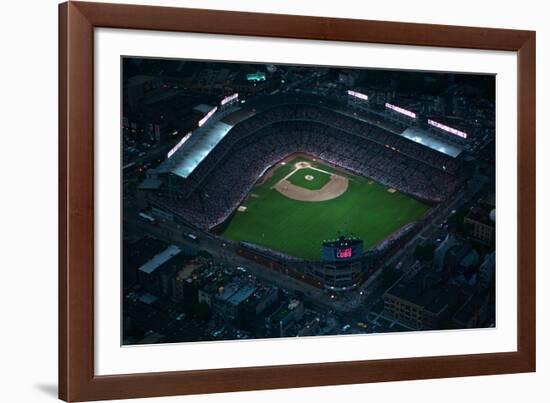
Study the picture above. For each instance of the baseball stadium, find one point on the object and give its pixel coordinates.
(292, 181)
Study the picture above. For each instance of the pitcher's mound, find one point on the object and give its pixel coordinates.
(309, 177)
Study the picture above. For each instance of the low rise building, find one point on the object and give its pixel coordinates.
(135, 253)
(486, 273)
(280, 322)
(180, 278)
(228, 304)
(480, 222)
(156, 275)
(441, 251)
(472, 314)
(422, 302)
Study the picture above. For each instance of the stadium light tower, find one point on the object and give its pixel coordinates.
(448, 129)
(207, 116)
(400, 110)
(229, 100)
(358, 99)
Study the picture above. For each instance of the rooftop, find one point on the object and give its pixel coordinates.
(422, 290)
(242, 294)
(280, 314)
(190, 155)
(150, 184)
(482, 213)
(236, 292)
(147, 298)
(158, 260)
(187, 270)
(445, 295)
(138, 252)
(203, 108)
(284, 310)
(469, 309)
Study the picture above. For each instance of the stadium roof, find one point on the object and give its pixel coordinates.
(203, 108)
(426, 139)
(199, 145)
(204, 139)
(160, 259)
(150, 183)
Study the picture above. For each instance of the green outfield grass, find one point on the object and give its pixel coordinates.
(320, 179)
(298, 228)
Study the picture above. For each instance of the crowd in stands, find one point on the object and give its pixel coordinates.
(394, 238)
(223, 180)
(269, 253)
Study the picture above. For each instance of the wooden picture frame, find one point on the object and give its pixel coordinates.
(77, 21)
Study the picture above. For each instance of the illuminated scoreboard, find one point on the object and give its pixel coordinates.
(342, 249)
(344, 253)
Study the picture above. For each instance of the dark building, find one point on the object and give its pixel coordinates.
(228, 304)
(135, 253)
(473, 313)
(138, 87)
(423, 302)
(480, 222)
(486, 272)
(163, 117)
(280, 322)
(257, 306)
(157, 275)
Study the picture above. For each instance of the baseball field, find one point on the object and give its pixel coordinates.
(302, 202)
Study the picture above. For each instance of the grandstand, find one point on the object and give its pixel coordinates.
(206, 190)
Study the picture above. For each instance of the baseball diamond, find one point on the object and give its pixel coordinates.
(309, 178)
(294, 219)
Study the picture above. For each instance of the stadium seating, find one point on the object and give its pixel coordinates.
(226, 176)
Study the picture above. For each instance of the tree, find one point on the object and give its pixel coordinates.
(202, 311)
(205, 254)
(457, 224)
(389, 276)
(424, 252)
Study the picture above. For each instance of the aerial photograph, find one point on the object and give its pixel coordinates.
(265, 201)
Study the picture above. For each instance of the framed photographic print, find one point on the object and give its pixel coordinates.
(254, 201)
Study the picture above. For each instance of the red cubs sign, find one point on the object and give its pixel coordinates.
(344, 253)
